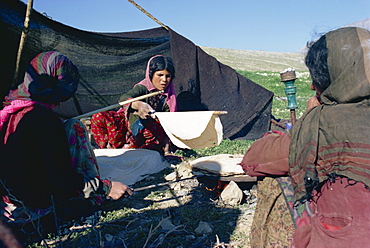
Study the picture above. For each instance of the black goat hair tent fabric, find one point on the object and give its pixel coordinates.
(111, 63)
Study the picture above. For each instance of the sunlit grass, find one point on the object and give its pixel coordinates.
(271, 81)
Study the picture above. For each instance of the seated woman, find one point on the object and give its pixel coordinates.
(135, 126)
(316, 180)
(48, 168)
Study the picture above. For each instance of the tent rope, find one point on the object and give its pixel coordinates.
(148, 14)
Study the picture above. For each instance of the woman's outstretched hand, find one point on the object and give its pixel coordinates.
(143, 110)
(118, 190)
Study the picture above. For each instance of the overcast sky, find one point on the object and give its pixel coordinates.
(269, 25)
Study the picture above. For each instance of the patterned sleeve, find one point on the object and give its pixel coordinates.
(84, 160)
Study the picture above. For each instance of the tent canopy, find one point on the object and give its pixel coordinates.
(111, 63)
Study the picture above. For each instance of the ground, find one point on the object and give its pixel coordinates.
(187, 214)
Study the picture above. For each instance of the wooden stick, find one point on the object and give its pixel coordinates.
(220, 112)
(277, 123)
(23, 40)
(166, 183)
(292, 116)
(148, 14)
(118, 104)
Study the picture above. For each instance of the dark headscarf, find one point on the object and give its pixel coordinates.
(333, 139)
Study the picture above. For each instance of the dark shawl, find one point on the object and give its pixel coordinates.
(333, 139)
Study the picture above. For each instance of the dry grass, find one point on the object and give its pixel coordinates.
(245, 60)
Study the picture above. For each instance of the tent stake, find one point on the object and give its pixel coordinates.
(148, 14)
(23, 40)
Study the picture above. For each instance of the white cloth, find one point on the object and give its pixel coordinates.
(129, 165)
(193, 129)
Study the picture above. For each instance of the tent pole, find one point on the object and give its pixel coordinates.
(148, 14)
(23, 40)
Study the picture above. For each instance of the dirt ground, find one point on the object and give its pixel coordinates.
(181, 214)
(190, 213)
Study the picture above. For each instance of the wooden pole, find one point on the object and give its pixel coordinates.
(23, 40)
(118, 104)
(148, 14)
(165, 183)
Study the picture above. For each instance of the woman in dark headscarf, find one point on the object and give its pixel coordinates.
(329, 155)
(44, 162)
(133, 125)
(329, 147)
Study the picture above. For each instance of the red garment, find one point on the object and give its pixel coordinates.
(109, 129)
(152, 137)
(341, 217)
(267, 156)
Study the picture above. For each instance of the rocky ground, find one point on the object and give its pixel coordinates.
(188, 213)
(191, 213)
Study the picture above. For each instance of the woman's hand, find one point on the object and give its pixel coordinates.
(118, 190)
(143, 110)
(312, 102)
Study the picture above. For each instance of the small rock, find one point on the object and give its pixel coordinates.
(109, 237)
(184, 170)
(171, 177)
(203, 228)
(182, 193)
(167, 225)
(189, 237)
(176, 186)
(232, 194)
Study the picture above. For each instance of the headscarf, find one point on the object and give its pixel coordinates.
(169, 91)
(333, 139)
(50, 78)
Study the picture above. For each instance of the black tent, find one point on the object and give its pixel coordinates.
(111, 63)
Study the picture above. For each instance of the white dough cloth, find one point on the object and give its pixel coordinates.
(193, 129)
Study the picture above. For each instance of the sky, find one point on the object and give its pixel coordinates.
(267, 25)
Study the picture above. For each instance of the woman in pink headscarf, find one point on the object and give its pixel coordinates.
(47, 166)
(134, 124)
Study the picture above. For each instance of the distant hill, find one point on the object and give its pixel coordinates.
(257, 60)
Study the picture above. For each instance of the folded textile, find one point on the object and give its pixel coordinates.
(129, 165)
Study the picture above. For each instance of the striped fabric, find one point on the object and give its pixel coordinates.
(49, 78)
